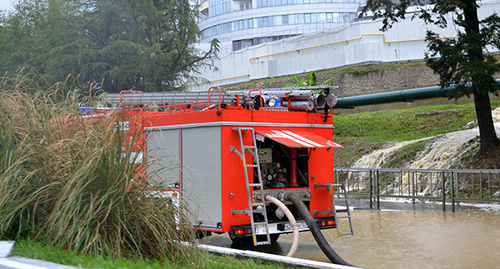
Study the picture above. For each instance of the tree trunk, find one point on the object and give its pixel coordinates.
(108, 86)
(487, 134)
(159, 85)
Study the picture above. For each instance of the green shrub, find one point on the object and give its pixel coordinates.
(66, 181)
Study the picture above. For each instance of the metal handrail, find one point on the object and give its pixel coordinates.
(220, 92)
(260, 96)
(120, 102)
(446, 185)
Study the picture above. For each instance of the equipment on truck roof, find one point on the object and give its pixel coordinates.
(297, 99)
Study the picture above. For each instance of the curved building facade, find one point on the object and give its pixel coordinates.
(238, 24)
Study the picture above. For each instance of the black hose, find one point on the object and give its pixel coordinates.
(314, 228)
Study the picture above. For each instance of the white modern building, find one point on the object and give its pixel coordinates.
(239, 24)
(250, 54)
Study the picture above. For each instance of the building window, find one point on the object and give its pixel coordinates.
(272, 3)
(284, 19)
(335, 17)
(243, 24)
(278, 20)
(245, 6)
(241, 44)
(216, 30)
(323, 17)
(218, 7)
(329, 17)
(314, 18)
(307, 18)
(268, 21)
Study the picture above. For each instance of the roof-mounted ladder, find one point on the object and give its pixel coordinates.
(257, 204)
(339, 212)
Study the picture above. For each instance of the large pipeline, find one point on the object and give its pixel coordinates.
(399, 96)
(314, 228)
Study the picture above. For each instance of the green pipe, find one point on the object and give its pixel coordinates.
(399, 96)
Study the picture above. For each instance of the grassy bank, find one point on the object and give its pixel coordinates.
(364, 132)
(36, 250)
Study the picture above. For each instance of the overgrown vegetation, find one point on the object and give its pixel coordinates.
(311, 81)
(364, 132)
(65, 180)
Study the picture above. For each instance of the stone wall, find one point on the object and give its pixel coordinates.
(377, 80)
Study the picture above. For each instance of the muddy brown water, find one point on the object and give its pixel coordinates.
(469, 238)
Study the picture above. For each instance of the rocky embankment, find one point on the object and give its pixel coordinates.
(440, 152)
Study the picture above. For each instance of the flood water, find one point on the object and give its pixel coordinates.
(468, 238)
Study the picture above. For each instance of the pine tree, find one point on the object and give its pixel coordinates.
(125, 44)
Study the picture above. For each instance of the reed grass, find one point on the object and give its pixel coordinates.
(65, 180)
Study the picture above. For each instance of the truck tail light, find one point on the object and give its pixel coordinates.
(326, 223)
(242, 231)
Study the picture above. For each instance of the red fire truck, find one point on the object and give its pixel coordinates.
(222, 154)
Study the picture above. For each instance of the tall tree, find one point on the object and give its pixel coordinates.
(126, 44)
(457, 61)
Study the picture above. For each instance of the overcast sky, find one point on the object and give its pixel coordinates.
(5, 4)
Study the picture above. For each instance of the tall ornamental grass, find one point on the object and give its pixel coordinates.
(65, 180)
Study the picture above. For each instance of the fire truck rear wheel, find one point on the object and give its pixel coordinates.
(247, 240)
(274, 237)
(242, 241)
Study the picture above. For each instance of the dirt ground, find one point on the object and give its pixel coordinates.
(491, 162)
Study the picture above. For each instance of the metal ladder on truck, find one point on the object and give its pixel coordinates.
(258, 205)
(340, 212)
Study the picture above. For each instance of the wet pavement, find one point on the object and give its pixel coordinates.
(468, 238)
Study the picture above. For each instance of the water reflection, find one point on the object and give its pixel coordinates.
(468, 238)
